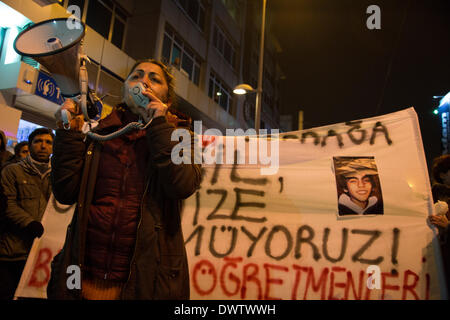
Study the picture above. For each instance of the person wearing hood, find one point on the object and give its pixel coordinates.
(357, 180)
(5, 155)
(27, 188)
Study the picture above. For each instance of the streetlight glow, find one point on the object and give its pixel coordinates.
(243, 88)
(239, 91)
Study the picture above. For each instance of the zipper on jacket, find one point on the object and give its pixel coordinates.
(137, 233)
(116, 220)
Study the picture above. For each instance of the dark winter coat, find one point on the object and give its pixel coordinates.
(113, 216)
(27, 192)
(158, 267)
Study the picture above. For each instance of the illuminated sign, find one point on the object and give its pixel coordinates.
(47, 88)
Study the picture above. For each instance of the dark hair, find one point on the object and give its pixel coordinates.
(37, 132)
(440, 165)
(167, 75)
(18, 147)
(342, 181)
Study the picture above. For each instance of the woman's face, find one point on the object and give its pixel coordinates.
(152, 78)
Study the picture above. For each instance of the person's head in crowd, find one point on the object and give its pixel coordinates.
(21, 150)
(2, 141)
(40, 143)
(441, 169)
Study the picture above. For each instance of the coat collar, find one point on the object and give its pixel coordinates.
(28, 165)
(121, 116)
(118, 118)
(345, 200)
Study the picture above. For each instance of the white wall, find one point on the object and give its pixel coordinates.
(9, 121)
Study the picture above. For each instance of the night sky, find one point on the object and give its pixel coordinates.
(338, 70)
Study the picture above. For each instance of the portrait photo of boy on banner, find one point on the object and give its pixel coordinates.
(358, 186)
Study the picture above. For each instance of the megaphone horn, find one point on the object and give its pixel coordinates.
(55, 44)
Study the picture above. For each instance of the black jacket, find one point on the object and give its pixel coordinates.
(159, 267)
(27, 192)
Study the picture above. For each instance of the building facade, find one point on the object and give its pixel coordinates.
(208, 44)
(272, 74)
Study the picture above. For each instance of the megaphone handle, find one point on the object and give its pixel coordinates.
(65, 117)
(84, 91)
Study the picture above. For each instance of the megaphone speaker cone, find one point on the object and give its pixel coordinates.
(32, 42)
(55, 44)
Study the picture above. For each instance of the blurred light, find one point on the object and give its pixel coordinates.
(219, 93)
(11, 55)
(445, 100)
(435, 111)
(243, 89)
(239, 91)
(11, 18)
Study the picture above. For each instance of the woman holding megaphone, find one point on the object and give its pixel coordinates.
(125, 235)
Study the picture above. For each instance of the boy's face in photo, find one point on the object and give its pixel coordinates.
(359, 187)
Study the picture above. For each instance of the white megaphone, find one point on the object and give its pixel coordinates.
(56, 44)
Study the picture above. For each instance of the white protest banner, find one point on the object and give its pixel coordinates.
(343, 217)
(36, 274)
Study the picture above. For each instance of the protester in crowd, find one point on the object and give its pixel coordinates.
(125, 235)
(5, 155)
(21, 151)
(441, 192)
(357, 181)
(26, 186)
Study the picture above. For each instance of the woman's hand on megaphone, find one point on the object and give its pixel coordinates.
(72, 110)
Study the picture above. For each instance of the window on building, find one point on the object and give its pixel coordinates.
(111, 86)
(118, 32)
(104, 16)
(233, 9)
(220, 92)
(78, 3)
(99, 17)
(224, 45)
(176, 51)
(195, 10)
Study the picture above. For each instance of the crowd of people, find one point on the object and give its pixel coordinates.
(126, 229)
(25, 190)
